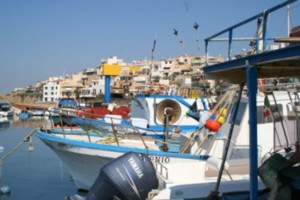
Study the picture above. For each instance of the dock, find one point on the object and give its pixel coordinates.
(32, 106)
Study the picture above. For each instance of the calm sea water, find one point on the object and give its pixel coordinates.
(37, 175)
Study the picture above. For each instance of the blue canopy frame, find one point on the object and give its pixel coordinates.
(284, 62)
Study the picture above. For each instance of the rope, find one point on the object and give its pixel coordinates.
(226, 106)
(191, 139)
(26, 139)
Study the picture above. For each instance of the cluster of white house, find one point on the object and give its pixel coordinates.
(90, 82)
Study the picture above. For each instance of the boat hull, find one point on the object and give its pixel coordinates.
(85, 160)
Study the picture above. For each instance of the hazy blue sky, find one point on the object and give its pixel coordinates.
(40, 38)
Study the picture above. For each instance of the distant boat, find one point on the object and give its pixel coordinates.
(37, 112)
(97, 109)
(62, 113)
(24, 115)
(5, 122)
(6, 109)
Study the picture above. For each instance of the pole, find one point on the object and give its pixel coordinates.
(252, 88)
(107, 89)
(229, 138)
(152, 58)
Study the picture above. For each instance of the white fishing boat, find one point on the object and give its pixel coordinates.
(148, 115)
(98, 147)
(200, 156)
(6, 109)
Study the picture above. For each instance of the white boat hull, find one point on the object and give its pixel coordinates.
(85, 160)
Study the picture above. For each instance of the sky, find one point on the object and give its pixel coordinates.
(40, 38)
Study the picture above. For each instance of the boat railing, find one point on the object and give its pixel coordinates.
(184, 91)
(260, 41)
(113, 126)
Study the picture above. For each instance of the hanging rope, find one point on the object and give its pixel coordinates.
(180, 41)
(26, 139)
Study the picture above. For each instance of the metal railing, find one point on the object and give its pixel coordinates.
(262, 37)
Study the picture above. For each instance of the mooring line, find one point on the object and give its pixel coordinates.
(25, 139)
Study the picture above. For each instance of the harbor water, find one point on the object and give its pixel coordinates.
(36, 175)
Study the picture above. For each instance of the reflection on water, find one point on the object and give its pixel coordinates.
(33, 122)
(5, 122)
(34, 175)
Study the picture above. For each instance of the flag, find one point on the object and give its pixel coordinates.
(266, 107)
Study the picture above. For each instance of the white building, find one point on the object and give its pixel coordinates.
(97, 86)
(51, 90)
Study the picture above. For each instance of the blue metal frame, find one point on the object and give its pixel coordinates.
(268, 56)
(252, 86)
(251, 63)
(230, 29)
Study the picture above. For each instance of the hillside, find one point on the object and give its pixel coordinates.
(16, 99)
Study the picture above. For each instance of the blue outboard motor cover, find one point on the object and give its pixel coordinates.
(130, 176)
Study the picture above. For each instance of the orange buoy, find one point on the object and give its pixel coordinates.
(212, 125)
(79, 113)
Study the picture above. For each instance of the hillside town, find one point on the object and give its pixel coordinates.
(133, 78)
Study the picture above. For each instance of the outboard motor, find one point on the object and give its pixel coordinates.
(130, 176)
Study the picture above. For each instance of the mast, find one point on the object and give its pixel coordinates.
(180, 41)
(152, 58)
